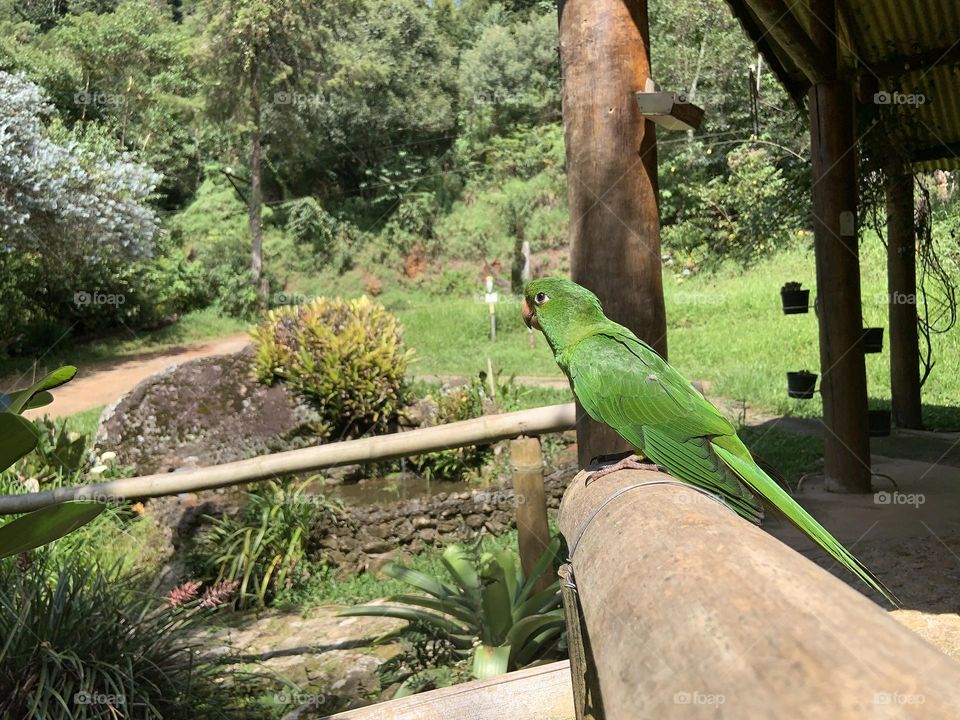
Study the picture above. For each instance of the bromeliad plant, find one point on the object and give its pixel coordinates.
(487, 612)
(18, 437)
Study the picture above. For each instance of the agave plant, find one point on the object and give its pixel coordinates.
(487, 611)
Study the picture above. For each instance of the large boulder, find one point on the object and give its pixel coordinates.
(204, 412)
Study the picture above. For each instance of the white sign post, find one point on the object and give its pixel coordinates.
(491, 299)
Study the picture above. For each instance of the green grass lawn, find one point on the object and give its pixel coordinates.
(726, 328)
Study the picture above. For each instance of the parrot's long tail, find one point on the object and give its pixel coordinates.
(764, 485)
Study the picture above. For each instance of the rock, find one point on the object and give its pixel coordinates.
(376, 563)
(376, 547)
(204, 412)
(494, 527)
(424, 522)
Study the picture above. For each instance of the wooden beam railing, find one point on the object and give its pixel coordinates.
(687, 611)
(482, 430)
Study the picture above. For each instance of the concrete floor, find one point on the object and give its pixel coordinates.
(908, 535)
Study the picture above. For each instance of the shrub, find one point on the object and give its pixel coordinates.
(265, 549)
(345, 356)
(82, 642)
(462, 402)
(485, 611)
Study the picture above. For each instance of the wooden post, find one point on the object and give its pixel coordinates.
(611, 176)
(843, 379)
(693, 612)
(533, 532)
(902, 299)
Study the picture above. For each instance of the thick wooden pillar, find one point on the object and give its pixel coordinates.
(611, 176)
(843, 380)
(902, 289)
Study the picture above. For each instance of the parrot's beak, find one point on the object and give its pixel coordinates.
(529, 316)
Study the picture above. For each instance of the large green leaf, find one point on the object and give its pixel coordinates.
(419, 580)
(20, 400)
(449, 606)
(42, 526)
(525, 632)
(17, 438)
(544, 600)
(460, 565)
(490, 661)
(496, 602)
(545, 561)
(405, 613)
(547, 641)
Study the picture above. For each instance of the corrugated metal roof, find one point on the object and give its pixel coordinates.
(906, 57)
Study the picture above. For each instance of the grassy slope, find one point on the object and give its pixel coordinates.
(726, 328)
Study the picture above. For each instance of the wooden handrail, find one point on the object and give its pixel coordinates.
(536, 693)
(689, 611)
(485, 429)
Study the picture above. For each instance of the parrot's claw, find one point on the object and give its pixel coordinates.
(630, 462)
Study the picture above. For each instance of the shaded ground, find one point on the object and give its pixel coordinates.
(334, 660)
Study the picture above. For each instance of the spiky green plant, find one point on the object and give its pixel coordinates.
(83, 642)
(264, 549)
(487, 611)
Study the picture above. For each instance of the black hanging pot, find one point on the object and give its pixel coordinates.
(795, 300)
(801, 384)
(872, 340)
(879, 422)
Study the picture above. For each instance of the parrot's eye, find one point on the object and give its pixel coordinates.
(540, 298)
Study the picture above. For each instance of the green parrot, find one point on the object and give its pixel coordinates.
(623, 382)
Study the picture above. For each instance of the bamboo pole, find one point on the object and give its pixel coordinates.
(693, 612)
(486, 429)
(533, 532)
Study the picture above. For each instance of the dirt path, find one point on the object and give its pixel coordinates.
(103, 383)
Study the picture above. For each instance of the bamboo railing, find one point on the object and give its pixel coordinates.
(481, 430)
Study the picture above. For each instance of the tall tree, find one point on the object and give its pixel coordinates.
(258, 53)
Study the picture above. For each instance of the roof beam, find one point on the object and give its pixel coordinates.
(784, 28)
(901, 65)
(940, 151)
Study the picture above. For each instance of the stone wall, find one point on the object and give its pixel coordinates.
(368, 537)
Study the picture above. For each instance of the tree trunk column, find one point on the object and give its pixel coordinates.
(902, 288)
(843, 382)
(611, 176)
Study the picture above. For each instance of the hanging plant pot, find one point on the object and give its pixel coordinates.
(872, 340)
(879, 422)
(801, 384)
(795, 299)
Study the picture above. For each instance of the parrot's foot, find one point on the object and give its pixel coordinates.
(630, 462)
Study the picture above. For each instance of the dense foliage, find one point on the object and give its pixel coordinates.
(345, 356)
(163, 156)
(263, 550)
(82, 641)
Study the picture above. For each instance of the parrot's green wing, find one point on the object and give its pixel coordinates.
(623, 382)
